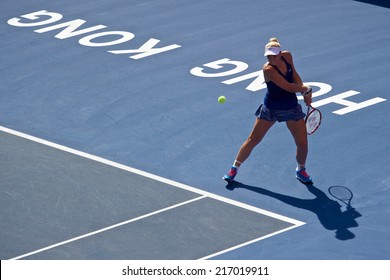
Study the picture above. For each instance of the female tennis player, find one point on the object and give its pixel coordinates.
(280, 104)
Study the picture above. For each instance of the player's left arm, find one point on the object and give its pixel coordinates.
(297, 79)
(288, 56)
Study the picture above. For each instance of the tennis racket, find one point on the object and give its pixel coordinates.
(342, 194)
(313, 119)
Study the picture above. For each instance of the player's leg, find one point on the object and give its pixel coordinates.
(259, 130)
(298, 131)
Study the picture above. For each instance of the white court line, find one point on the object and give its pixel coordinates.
(296, 223)
(248, 242)
(108, 228)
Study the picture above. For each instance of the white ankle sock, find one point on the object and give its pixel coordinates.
(235, 164)
(300, 166)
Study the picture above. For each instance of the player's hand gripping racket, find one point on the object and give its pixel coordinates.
(313, 119)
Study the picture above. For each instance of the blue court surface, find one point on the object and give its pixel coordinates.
(113, 144)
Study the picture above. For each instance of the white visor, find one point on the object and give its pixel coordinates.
(272, 51)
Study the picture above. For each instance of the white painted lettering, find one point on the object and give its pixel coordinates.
(350, 106)
(71, 26)
(124, 37)
(257, 84)
(239, 67)
(146, 49)
(53, 17)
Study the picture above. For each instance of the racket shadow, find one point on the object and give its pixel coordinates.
(329, 212)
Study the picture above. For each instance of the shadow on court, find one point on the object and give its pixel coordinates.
(328, 211)
(382, 3)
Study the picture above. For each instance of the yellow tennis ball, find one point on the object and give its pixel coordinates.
(222, 99)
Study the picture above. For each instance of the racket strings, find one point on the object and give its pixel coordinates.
(313, 121)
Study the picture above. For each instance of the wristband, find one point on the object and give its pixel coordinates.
(307, 92)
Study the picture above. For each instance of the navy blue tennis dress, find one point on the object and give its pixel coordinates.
(280, 105)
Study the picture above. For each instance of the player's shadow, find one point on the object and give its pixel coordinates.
(382, 3)
(329, 212)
